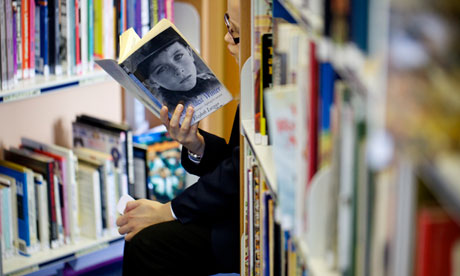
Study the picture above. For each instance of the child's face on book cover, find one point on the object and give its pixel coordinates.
(174, 68)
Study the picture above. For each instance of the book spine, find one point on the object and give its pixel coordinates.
(170, 10)
(90, 35)
(42, 39)
(7, 222)
(84, 34)
(89, 202)
(108, 31)
(64, 51)
(25, 38)
(72, 36)
(42, 216)
(98, 28)
(54, 233)
(9, 24)
(313, 115)
(130, 14)
(63, 190)
(59, 215)
(138, 17)
(145, 20)
(32, 211)
(73, 197)
(77, 37)
(161, 9)
(31, 30)
(3, 54)
(18, 43)
(54, 38)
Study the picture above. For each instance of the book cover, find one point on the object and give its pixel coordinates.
(23, 177)
(126, 137)
(69, 173)
(42, 38)
(45, 166)
(162, 68)
(89, 201)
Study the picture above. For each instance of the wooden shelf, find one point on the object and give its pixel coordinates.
(25, 89)
(315, 266)
(19, 265)
(263, 153)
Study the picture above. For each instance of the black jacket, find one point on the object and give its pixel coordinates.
(214, 198)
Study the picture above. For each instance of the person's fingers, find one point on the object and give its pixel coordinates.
(185, 127)
(125, 229)
(174, 122)
(131, 205)
(122, 220)
(194, 129)
(164, 116)
(131, 235)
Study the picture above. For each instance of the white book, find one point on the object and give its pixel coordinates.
(108, 27)
(89, 201)
(58, 205)
(109, 189)
(7, 194)
(41, 190)
(69, 180)
(34, 245)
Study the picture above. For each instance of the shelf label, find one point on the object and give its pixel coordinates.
(21, 95)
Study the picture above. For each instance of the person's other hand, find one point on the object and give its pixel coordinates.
(140, 214)
(185, 134)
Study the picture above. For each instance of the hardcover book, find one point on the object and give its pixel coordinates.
(162, 68)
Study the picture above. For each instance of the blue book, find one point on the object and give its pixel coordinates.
(24, 178)
(41, 37)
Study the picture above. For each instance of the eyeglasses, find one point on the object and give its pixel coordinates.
(229, 28)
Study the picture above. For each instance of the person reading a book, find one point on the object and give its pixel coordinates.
(197, 233)
(169, 68)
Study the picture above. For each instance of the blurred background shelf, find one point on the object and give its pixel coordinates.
(20, 265)
(39, 85)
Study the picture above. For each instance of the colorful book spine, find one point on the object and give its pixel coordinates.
(98, 28)
(41, 199)
(18, 27)
(25, 38)
(9, 24)
(170, 10)
(84, 34)
(3, 54)
(54, 38)
(138, 17)
(31, 30)
(153, 13)
(20, 174)
(90, 34)
(78, 67)
(72, 36)
(42, 39)
(313, 115)
(161, 9)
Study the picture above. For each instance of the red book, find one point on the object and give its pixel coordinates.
(77, 37)
(437, 235)
(31, 38)
(313, 115)
(25, 38)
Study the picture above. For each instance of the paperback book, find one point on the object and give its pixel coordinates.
(162, 68)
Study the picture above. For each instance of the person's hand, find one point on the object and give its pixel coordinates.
(140, 214)
(185, 134)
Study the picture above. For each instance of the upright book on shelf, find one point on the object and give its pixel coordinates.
(162, 68)
(23, 176)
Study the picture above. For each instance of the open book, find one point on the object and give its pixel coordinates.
(162, 68)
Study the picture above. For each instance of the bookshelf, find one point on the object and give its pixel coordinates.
(20, 265)
(377, 149)
(40, 85)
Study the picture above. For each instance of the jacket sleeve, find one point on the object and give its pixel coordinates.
(216, 150)
(213, 194)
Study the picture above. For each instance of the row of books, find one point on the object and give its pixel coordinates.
(51, 195)
(66, 36)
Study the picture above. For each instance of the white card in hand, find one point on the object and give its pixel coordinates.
(121, 205)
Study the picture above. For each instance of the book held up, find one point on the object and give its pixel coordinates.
(162, 68)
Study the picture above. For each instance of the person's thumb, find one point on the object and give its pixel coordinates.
(130, 205)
